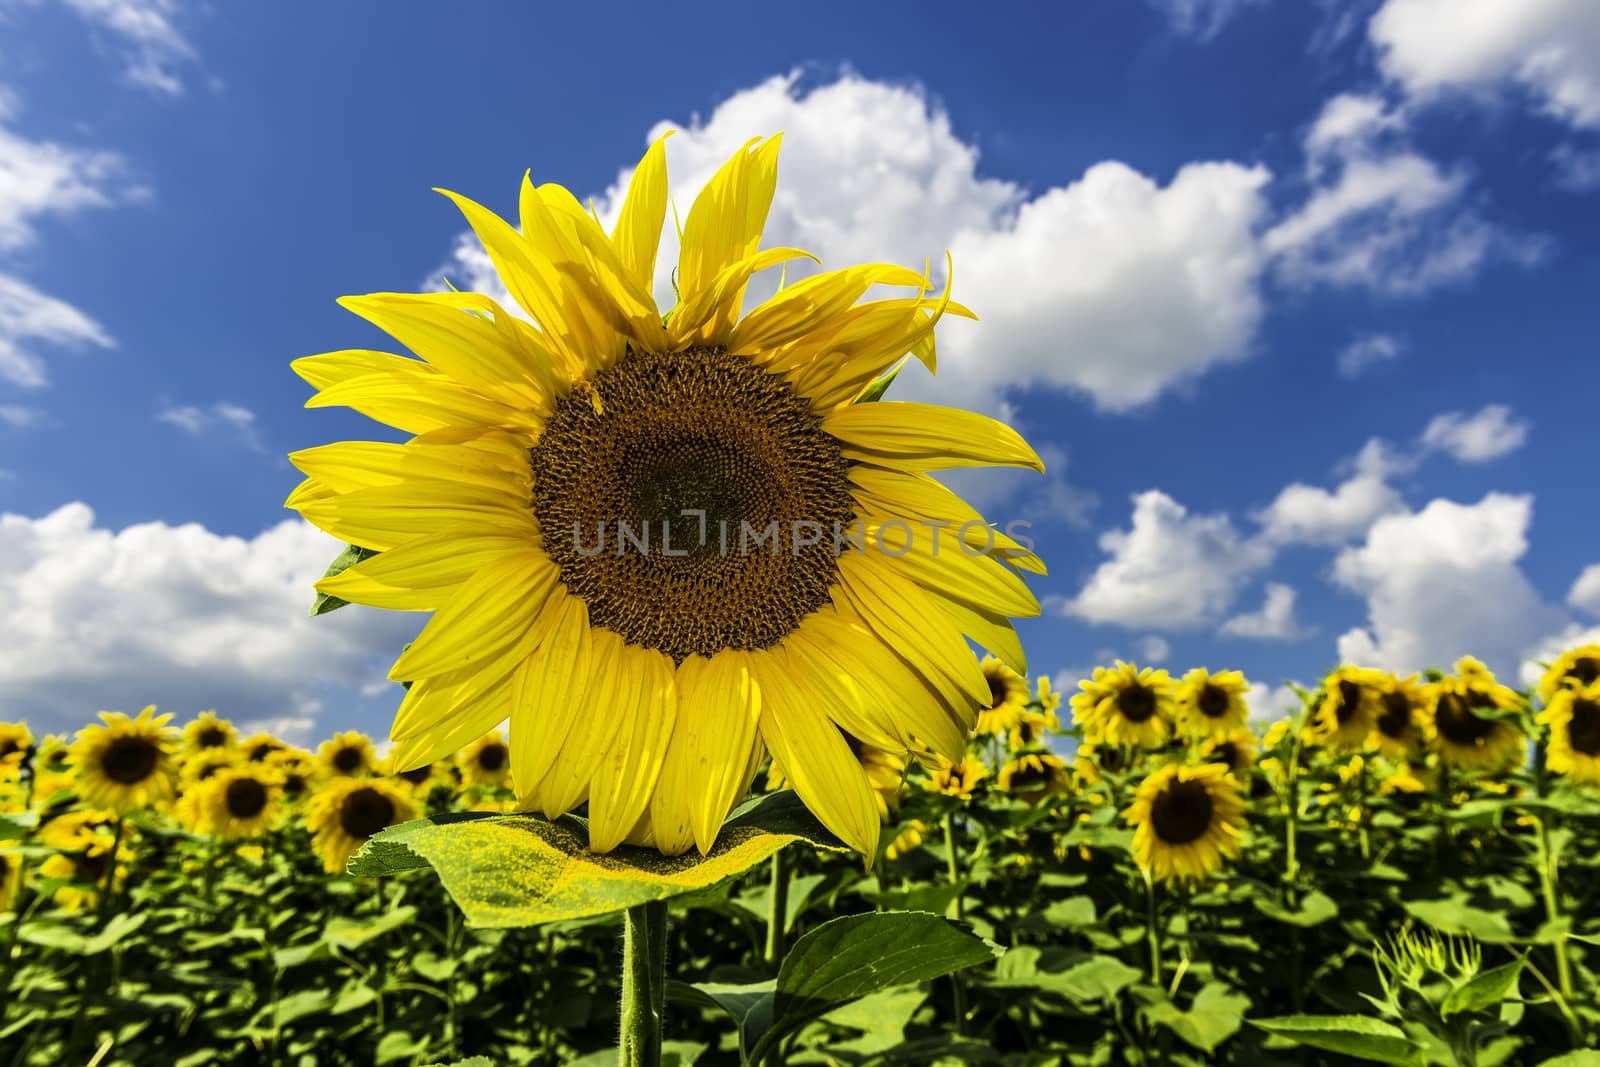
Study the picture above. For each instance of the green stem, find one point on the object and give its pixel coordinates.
(1361, 810)
(777, 909)
(1152, 929)
(958, 986)
(1549, 886)
(644, 984)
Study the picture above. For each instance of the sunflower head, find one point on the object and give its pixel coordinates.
(1031, 729)
(909, 838)
(208, 731)
(1007, 700)
(10, 874)
(1575, 668)
(1573, 716)
(346, 811)
(958, 779)
(1397, 726)
(667, 546)
(1343, 717)
(347, 755)
(1235, 750)
(1047, 696)
(15, 740)
(1213, 705)
(240, 801)
(125, 763)
(486, 762)
(296, 772)
(1033, 776)
(1124, 705)
(257, 747)
(1465, 720)
(1186, 821)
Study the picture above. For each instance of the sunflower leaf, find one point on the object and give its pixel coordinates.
(1484, 991)
(1350, 1035)
(351, 555)
(523, 869)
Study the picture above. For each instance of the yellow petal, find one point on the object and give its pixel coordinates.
(707, 317)
(390, 515)
(724, 225)
(490, 611)
(948, 569)
(626, 776)
(908, 436)
(550, 696)
(421, 573)
(469, 720)
(803, 307)
(419, 403)
(567, 783)
(331, 368)
(637, 236)
(708, 766)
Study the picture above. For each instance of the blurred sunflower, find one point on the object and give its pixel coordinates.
(1397, 726)
(52, 770)
(420, 780)
(909, 837)
(203, 764)
(1124, 705)
(208, 730)
(347, 811)
(85, 830)
(1213, 705)
(1007, 700)
(1574, 668)
(296, 770)
(1573, 716)
(1343, 718)
(241, 801)
(532, 442)
(1407, 778)
(10, 874)
(257, 747)
(957, 779)
(86, 875)
(1186, 821)
(1031, 729)
(1033, 776)
(1460, 736)
(1049, 700)
(347, 755)
(486, 762)
(1093, 760)
(1235, 750)
(15, 739)
(127, 763)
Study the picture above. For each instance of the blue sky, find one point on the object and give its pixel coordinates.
(1297, 300)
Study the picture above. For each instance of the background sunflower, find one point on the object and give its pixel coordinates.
(126, 763)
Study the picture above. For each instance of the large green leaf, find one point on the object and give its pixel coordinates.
(1315, 909)
(1349, 1035)
(1455, 917)
(521, 870)
(351, 555)
(1215, 1015)
(1484, 991)
(1078, 976)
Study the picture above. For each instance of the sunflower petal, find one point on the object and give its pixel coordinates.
(908, 436)
(637, 236)
(489, 612)
(620, 791)
(608, 686)
(549, 697)
(707, 317)
(725, 223)
(707, 767)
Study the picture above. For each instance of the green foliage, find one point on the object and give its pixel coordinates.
(351, 555)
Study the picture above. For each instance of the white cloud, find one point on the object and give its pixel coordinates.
(207, 421)
(27, 315)
(1305, 514)
(1478, 438)
(1444, 582)
(1274, 621)
(1113, 285)
(177, 616)
(42, 177)
(1154, 649)
(1367, 351)
(1577, 170)
(1379, 214)
(1550, 48)
(1171, 569)
(1202, 19)
(1269, 703)
(1585, 592)
(19, 417)
(152, 45)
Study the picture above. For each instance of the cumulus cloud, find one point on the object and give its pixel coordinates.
(1549, 48)
(1477, 438)
(145, 33)
(208, 421)
(1585, 592)
(27, 315)
(177, 616)
(1274, 621)
(1170, 569)
(1309, 515)
(1444, 582)
(1154, 649)
(1114, 285)
(1269, 703)
(1379, 215)
(1367, 351)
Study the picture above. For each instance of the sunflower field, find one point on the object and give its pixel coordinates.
(1406, 872)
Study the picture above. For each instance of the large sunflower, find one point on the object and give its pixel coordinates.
(1186, 821)
(1458, 733)
(347, 811)
(1213, 705)
(668, 544)
(1576, 667)
(1124, 705)
(1573, 716)
(127, 763)
(1344, 716)
(1007, 702)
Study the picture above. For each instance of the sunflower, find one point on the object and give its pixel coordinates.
(909, 837)
(1124, 705)
(667, 545)
(10, 875)
(85, 874)
(486, 762)
(84, 830)
(958, 779)
(1031, 729)
(203, 764)
(1344, 716)
(1213, 705)
(208, 730)
(1397, 727)
(257, 747)
(15, 740)
(347, 755)
(1573, 716)
(127, 763)
(1235, 750)
(296, 770)
(419, 781)
(52, 770)
(1186, 820)
(1092, 761)
(347, 811)
(1049, 700)
(1033, 776)
(1007, 701)
(1407, 778)
(1574, 668)
(1462, 737)
(240, 801)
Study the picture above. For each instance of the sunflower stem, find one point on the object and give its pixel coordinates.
(1152, 928)
(1549, 885)
(644, 983)
(777, 909)
(958, 987)
(1361, 811)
